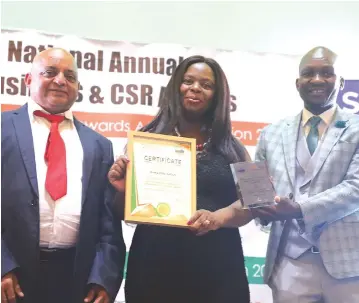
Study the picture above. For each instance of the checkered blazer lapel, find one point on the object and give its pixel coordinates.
(331, 138)
(289, 141)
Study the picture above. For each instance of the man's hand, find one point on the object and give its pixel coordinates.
(97, 294)
(284, 209)
(10, 288)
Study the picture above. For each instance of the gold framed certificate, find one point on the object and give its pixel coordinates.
(161, 185)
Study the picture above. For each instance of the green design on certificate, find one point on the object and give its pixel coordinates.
(161, 179)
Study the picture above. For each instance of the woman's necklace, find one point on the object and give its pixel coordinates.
(199, 147)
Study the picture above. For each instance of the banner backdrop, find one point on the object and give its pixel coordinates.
(120, 87)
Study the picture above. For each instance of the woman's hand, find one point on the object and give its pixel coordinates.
(204, 221)
(232, 216)
(117, 174)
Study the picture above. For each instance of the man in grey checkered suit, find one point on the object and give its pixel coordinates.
(313, 158)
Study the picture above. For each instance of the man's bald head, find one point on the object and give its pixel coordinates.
(53, 80)
(318, 83)
(53, 54)
(320, 53)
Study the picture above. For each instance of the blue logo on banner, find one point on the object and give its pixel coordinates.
(348, 98)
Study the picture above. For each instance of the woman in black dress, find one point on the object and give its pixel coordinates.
(205, 263)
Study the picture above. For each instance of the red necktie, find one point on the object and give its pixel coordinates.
(55, 157)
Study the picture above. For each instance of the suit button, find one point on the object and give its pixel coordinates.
(34, 202)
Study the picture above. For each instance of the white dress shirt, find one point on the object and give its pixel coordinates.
(327, 118)
(59, 220)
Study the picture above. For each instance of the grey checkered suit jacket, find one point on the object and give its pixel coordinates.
(331, 213)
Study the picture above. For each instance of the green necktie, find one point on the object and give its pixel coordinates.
(313, 136)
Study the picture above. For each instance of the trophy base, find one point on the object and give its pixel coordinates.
(259, 205)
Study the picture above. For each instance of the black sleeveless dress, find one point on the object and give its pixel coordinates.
(172, 265)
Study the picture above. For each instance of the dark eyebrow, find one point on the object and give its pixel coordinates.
(202, 78)
(311, 68)
(331, 67)
(70, 71)
(55, 68)
(307, 68)
(50, 67)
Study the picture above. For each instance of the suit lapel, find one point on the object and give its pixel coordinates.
(89, 148)
(330, 139)
(24, 137)
(289, 140)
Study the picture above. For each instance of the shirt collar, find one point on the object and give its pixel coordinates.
(33, 106)
(326, 117)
